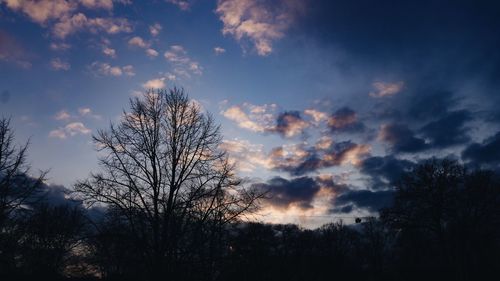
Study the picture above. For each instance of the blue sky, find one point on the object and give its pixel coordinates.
(324, 103)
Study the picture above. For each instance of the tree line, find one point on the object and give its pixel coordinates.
(166, 204)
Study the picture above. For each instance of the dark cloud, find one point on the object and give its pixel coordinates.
(384, 171)
(426, 104)
(290, 123)
(401, 138)
(344, 120)
(461, 35)
(448, 130)
(283, 193)
(363, 199)
(485, 153)
(309, 159)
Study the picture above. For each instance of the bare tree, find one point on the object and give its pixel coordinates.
(163, 168)
(17, 186)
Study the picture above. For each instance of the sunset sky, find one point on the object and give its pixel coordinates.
(324, 103)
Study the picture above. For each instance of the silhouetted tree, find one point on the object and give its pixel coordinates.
(163, 170)
(16, 184)
(50, 239)
(17, 188)
(447, 221)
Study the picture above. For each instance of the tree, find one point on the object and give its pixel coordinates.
(17, 188)
(163, 169)
(447, 220)
(16, 185)
(50, 235)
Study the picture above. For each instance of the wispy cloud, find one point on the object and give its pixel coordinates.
(183, 64)
(101, 68)
(386, 89)
(59, 64)
(219, 50)
(155, 29)
(182, 4)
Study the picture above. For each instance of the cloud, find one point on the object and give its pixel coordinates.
(98, 4)
(290, 123)
(246, 156)
(384, 171)
(59, 46)
(384, 89)
(485, 153)
(59, 64)
(155, 29)
(296, 159)
(256, 118)
(62, 115)
(260, 22)
(79, 22)
(42, 11)
(449, 130)
(364, 199)
(158, 83)
(184, 5)
(300, 159)
(138, 42)
(110, 52)
(427, 104)
(401, 138)
(71, 129)
(151, 53)
(283, 193)
(318, 116)
(183, 64)
(219, 50)
(101, 68)
(87, 112)
(344, 119)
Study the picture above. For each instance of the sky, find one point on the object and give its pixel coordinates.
(324, 104)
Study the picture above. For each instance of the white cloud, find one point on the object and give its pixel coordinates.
(138, 42)
(151, 53)
(158, 83)
(59, 64)
(318, 116)
(87, 112)
(383, 89)
(109, 70)
(62, 115)
(57, 133)
(71, 129)
(252, 117)
(219, 50)
(260, 22)
(110, 52)
(155, 29)
(78, 22)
